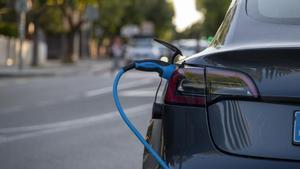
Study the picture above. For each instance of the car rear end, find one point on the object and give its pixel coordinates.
(224, 110)
(236, 105)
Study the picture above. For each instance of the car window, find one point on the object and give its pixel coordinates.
(279, 8)
(280, 11)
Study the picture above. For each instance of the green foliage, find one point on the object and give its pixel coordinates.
(116, 13)
(3, 3)
(51, 21)
(37, 4)
(8, 19)
(214, 11)
(112, 13)
(53, 14)
(61, 16)
(78, 5)
(8, 29)
(160, 12)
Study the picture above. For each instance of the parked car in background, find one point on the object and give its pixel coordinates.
(236, 104)
(190, 47)
(141, 47)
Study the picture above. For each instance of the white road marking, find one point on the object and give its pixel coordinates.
(38, 130)
(123, 86)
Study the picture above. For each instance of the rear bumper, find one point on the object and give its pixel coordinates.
(218, 160)
(188, 144)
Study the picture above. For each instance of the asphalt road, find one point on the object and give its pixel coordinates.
(70, 122)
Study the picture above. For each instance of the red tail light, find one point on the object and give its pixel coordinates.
(198, 86)
(187, 86)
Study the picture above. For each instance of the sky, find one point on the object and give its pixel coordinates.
(185, 14)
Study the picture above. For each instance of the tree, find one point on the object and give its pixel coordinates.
(161, 13)
(68, 16)
(74, 13)
(214, 11)
(116, 13)
(51, 21)
(39, 7)
(8, 19)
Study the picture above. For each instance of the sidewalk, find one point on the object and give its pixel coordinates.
(56, 68)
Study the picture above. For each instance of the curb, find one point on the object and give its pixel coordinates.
(55, 71)
(26, 74)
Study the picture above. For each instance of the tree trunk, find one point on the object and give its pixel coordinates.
(69, 57)
(80, 44)
(98, 48)
(35, 56)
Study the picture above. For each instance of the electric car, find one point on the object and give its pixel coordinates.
(237, 103)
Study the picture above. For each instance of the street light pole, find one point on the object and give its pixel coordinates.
(22, 6)
(22, 23)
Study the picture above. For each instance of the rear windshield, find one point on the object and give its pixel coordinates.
(281, 11)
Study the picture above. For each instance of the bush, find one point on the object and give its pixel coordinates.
(8, 29)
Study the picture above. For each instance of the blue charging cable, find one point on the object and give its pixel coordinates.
(165, 70)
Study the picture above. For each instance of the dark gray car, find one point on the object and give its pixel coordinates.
(236, 104)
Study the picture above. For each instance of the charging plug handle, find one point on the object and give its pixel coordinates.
(165, 70)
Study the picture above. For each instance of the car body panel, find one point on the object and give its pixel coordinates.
(188, 144)
(254, 128)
